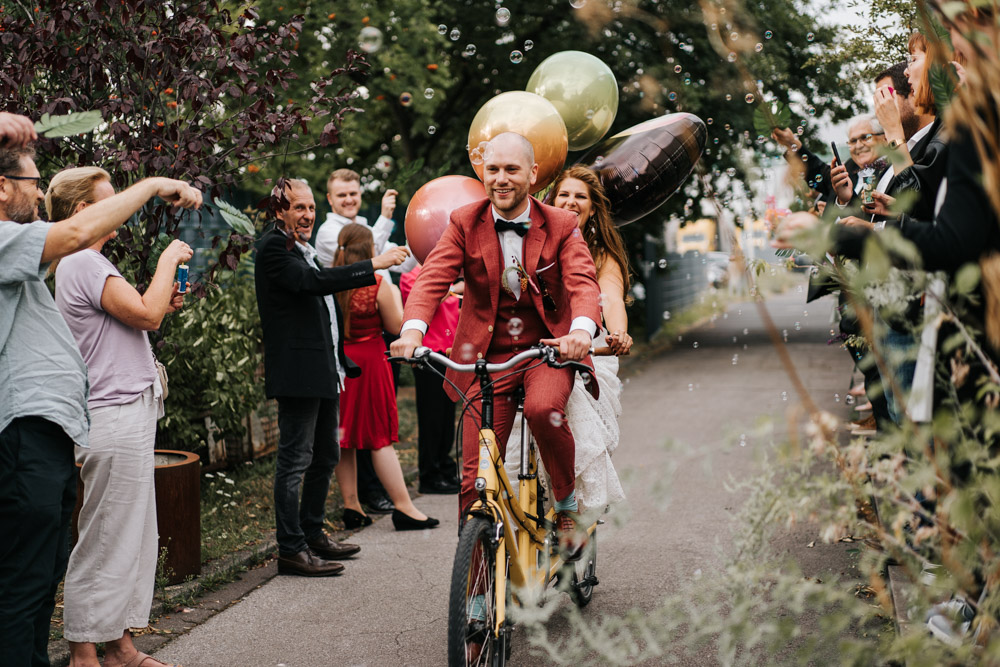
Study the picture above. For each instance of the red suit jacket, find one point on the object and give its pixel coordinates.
(470, 246)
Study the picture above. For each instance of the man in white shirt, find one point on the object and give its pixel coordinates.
(343, 191)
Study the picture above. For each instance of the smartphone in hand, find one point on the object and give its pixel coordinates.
(836, 155)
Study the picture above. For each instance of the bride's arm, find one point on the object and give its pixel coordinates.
(613, 304)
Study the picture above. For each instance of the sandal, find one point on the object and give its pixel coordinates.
(140, 658)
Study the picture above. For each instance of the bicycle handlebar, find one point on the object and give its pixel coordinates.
(424, 354)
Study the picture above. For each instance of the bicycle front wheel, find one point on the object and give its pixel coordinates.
(472, 611)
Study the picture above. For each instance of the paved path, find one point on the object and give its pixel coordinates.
(390, 606)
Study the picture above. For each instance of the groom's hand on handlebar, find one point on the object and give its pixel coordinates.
(574, 346)
(407, 342)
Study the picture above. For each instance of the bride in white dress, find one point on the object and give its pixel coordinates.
(594, 423)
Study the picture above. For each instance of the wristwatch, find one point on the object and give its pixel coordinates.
(894, 144)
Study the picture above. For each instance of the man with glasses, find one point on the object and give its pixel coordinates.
(864, 137)
(43, 387)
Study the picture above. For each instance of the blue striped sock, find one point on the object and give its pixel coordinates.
(567, 504)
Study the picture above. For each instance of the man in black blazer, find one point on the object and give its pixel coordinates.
(304, 365)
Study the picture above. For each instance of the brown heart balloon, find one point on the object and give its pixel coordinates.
(641, 167)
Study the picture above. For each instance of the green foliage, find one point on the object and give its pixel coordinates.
(235, 218)
(878, 40)
(68, 124)
(768, 117)
(212, 352)
(664, 56)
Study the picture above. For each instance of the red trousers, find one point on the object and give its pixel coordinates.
(546, 391)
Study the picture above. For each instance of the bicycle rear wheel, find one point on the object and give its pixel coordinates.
(472, 609)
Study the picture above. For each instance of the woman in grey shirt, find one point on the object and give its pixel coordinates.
(110, 579)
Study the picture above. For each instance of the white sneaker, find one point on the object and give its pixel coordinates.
(950, 621)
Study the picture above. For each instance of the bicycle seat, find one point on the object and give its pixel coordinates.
(519, 398)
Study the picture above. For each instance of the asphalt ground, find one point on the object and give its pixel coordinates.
(689, 424)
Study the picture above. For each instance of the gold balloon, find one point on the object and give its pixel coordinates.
(583, 90)
(529, 115)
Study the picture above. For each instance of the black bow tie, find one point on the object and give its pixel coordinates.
(519, 228)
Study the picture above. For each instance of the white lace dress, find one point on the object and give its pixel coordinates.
(596, 432)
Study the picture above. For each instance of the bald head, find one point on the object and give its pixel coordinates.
(509, 171)
(513, 143)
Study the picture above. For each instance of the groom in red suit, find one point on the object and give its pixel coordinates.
(529, 278)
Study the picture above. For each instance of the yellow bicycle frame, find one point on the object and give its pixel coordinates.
(497, 500)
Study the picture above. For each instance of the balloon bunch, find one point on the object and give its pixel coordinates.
(570, 104)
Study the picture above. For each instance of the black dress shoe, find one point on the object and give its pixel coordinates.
(327, 549)
(380, 505)
(439, 486)
(354, 519)
(406, 522)
(307, 564)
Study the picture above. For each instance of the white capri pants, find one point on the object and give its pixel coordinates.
(112, 570)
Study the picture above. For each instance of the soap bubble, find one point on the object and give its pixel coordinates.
(406, 99)
(385, 163)
(515, 327)
(431, 130)
(695, 345)
(516, 57)
(577, 4)
(849, 399)
(758, 47)
(666, 315)
(690, 387)
(662, 263)
(454, 34)
(428, 93)
(743, 439)
(442, 29)
(768, 34)
(810, 37)
(370, 39)
(749, 98)
(731, 57)
(470, 50)
(503, 16)
(734, 36)
(677, 69)
(672, 96)
(475, 156)
(784, 395)
(466, 353)
(556, 418)
(528, 45)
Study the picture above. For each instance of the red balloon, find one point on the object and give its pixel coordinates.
(430, 209)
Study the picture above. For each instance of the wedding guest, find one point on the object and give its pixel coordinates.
(368, 418)
(112, 570)
(435, 409)
(42, 421)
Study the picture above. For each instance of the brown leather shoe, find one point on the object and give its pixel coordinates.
(326, 548)
(571, 540)
(307, 564)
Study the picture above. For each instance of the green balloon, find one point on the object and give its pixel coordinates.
(583, 90)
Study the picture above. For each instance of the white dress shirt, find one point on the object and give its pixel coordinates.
(511, 247)
(329, 232)
(310, 254)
